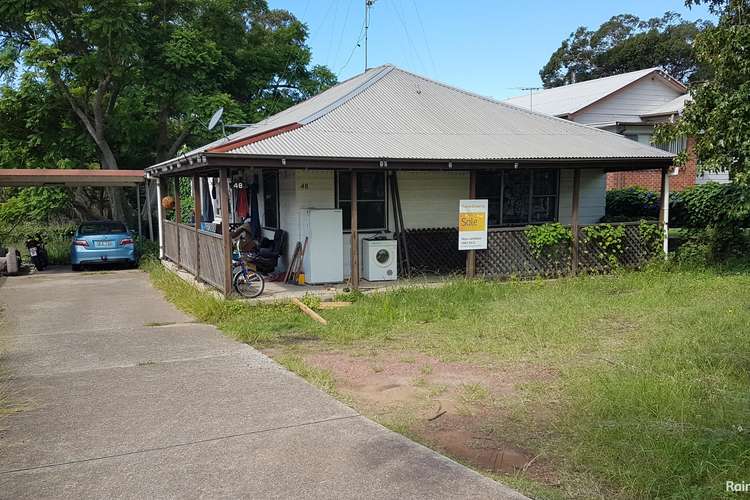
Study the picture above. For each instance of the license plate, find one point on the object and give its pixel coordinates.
(32, 251)
(104, 244)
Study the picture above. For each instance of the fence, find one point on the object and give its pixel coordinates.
(205, 262)
(510, 254)
(435, 251)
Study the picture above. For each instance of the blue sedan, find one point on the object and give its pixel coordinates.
(102, 242)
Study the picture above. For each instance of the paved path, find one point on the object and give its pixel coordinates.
(115, 406)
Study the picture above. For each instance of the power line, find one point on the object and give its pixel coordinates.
(408, 36)
(357, 44)
(424, 37)
(343, 28)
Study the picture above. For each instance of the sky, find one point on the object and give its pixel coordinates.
(492, 48)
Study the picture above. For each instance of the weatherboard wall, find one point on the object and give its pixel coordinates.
(629, 103)
(428, 200)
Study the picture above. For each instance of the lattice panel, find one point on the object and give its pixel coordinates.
(434, 251)
(508, 254)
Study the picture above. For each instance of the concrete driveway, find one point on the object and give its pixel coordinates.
(121, 395)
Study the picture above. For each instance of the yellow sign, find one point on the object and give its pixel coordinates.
(471, 221)
(472, 225)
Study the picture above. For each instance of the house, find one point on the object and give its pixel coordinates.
(630, 104)
(407, 149)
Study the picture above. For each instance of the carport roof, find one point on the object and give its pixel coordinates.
(69, 177)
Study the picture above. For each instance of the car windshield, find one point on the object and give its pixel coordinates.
(92, 228)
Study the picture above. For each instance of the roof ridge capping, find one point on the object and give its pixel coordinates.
(378, 73)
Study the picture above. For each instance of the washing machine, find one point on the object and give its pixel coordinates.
(379, 259)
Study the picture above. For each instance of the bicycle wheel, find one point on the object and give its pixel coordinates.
(250, 284)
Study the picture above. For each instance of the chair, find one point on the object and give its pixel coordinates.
(268, 255)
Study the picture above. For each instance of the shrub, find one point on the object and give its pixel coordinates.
(550, 241)
(631, 204)
(608, 239)
(651, 235)
(713, 215)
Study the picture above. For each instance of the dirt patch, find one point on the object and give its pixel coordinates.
(459, 409)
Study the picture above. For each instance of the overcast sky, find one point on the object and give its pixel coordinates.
(488, 47)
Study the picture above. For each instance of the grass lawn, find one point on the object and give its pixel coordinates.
(632, 385)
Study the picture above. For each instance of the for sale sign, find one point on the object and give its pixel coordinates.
(472, 225)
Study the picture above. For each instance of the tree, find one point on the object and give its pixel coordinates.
(140, 77)
(627, 43)
(719, 114)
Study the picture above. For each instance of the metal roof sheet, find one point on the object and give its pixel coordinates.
(389, 113)
(567, 99)
(401, 115)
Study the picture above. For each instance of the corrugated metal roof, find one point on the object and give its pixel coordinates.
(394, 114)
(389, 113)
(566, 100)
(670, 108)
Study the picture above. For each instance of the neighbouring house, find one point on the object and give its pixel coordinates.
(407, 149)
(630, 104)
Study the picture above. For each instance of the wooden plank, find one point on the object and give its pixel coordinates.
(334, 305)
(226, 235)
(574, 220)
(300, 263)
(309, 311)
(354, 278)
(197, 208)
(292, 262)
(471, 255)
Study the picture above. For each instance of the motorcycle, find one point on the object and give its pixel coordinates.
(37, 252)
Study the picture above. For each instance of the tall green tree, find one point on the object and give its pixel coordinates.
(719, 114)
(140, 77)
(627, 43)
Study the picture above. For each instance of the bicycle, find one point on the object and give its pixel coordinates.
(246, 282)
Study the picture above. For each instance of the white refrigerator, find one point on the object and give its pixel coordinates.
(324, 257)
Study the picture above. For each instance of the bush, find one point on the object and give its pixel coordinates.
(56, 237)
(713, 216)
(608, 239)
(551, 241)
(631, 204)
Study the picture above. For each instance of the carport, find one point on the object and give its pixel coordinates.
(53, 177)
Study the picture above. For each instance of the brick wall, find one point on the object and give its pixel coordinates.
(651, 179)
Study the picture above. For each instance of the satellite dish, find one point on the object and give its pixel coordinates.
(215, 118)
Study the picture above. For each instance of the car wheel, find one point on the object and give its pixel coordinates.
(75, 267)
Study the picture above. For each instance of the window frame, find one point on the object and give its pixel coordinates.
(359, 200)
(501, 197)
(277, 208)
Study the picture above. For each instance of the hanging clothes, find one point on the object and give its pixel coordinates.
(207, 207)
(242, 208)
(254, 211)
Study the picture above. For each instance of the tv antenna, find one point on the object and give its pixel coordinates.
(530, 90)
(216, 118)
(368, 5)
(531, 95)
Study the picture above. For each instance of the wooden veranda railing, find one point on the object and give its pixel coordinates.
(203, 257)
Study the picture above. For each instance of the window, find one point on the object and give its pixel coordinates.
(675, 146)
(371, 206)
(632, 137)
(519, 196)
(271, 199)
